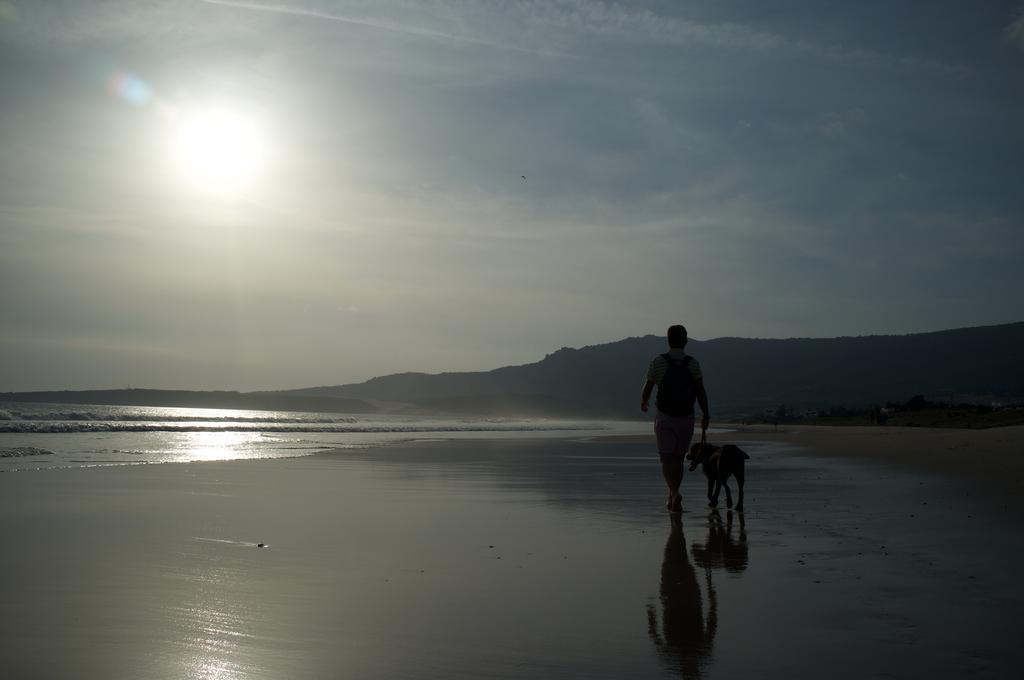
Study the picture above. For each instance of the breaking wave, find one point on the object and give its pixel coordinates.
(18, 418)
(270, 426)
(23, 451)
(87, 415)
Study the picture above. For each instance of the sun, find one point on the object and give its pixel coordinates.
(219, 150)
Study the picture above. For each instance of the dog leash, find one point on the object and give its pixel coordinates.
(704, 449)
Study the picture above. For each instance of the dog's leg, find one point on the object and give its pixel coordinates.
(714, 495)
(711, 490)
(739, 484)
(728, 494)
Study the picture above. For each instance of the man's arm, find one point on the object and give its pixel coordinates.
(702, 399)
(645, 395)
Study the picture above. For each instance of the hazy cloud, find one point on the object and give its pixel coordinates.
(543, 28)
(378, 24)
(1015, 32)
(839, 124)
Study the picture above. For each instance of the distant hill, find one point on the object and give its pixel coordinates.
(742, 376)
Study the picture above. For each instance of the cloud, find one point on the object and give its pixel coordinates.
(65, 342)
(1014, 33)
(507, 26)
(839, 124)
(379, 24)
(546, 28)
(647, 27)
(583, 18)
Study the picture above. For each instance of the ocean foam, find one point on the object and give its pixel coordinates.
(167, 417)
(22, 451)
(69, 426)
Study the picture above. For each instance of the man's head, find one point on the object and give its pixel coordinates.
(677, 336)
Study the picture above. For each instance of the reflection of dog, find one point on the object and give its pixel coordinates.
(722, 550)
(720, 463)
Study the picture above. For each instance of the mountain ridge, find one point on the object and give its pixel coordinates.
(742, 375)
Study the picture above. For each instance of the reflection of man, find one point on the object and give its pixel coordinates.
(680, 382)
(684, 639)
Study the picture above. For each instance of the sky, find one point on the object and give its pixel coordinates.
(272, 193)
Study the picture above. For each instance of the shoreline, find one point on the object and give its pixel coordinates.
(996, 452)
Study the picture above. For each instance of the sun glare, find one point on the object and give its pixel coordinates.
(219, 150)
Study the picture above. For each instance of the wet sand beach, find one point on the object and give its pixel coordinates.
(507, 559)
(950, 450)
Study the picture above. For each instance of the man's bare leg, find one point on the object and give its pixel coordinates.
(672, 471)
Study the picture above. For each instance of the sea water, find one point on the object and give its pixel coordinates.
(36, 436)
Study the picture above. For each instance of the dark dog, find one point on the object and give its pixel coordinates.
(720, 463)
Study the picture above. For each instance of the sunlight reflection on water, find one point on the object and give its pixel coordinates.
(215, 620)
(220, 445)
(72, 435)
(215, 669)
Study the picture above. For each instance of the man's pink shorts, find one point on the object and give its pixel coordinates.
(673, 434)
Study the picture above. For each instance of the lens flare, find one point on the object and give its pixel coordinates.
(130, 88)
(8, 12)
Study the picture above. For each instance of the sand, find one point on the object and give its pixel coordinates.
(509, 559)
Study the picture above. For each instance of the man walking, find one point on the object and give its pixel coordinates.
(680, 382)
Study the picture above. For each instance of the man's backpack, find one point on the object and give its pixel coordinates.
(677, 390)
